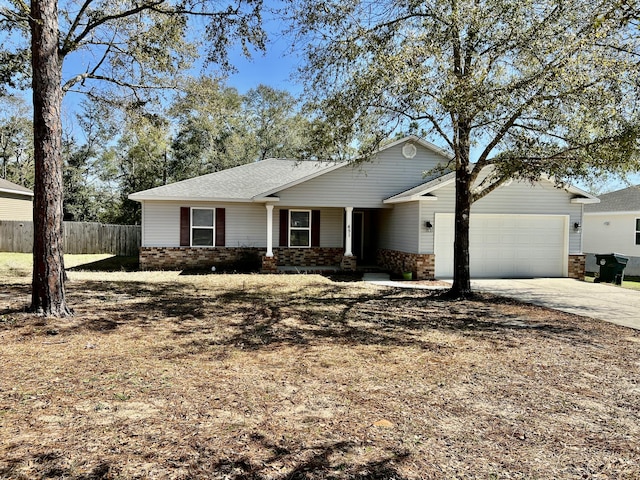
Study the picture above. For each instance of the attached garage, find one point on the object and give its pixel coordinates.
(506, 246)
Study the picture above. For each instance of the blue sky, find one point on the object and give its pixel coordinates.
(273, 68)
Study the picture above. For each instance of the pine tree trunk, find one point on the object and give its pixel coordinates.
(48, 294)
(461, 274)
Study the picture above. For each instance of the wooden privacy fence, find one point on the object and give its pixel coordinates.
(79, 237)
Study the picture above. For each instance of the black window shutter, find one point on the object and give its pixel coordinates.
(315, 228)
(185, 226)
(220, 227)
(284, 228)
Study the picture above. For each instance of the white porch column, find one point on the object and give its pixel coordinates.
(269, 229)
(348, 234)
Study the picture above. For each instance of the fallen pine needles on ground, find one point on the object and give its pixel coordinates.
(160, 375)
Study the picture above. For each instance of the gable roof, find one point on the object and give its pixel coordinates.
(245, 183)
(425, 190)
(415, 139)
(257, 181)
(10, 187)
(625, 200)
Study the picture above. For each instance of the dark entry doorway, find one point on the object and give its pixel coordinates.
(358, 235)
(363, 238)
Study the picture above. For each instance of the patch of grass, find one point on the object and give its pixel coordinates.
(630, 284)
(268, 377)
(110, 263)
(21, 264)
(15, 264)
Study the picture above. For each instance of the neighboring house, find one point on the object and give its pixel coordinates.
(16, 202)
(613, 226)
(384, 212)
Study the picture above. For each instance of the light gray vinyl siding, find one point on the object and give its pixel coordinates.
(516, 198)
(366, 185)
(331, 229)
(16, 207)
(401, 228)
(245, 224)
(607, 232)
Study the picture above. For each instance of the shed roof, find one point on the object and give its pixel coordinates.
(625, 200)
(239, 184)
(10, 187)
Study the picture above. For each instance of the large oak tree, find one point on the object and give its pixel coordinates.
(127, 46)
(528, 86)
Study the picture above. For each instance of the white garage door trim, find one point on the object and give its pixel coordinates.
(506, 246)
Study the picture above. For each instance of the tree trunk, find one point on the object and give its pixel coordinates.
(461, 274)
(48, 294)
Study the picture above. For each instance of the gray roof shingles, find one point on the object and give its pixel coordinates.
(7, 186)
(432, 181)
(625, 200)
(240, 183)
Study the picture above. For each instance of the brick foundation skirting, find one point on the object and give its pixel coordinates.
(349, 264)
(269, 264)
(577, 266)
(309, 257)
(178, 258)
(421, 265)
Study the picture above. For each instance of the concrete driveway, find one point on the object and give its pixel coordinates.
(596, 300)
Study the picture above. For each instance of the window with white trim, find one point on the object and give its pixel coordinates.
(203, 221)
(299, 228)
(637, 231)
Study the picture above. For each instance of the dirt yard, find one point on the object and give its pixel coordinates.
(168, 376)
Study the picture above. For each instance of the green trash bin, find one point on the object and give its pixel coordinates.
(611, 267)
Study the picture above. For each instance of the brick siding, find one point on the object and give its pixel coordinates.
(349, 264)
(577, 266)
(309, 257)
(269, 264)
(421, 265)
(178, 258)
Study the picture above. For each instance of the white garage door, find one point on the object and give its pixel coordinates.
(506, 246)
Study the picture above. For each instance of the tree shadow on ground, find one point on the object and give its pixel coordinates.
(52, 464)
(258, 317)
(387, 317)
(271, 460)
(298, 463)
(111, 264)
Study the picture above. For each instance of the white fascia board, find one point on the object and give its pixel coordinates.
(575, 190)
(585, 201)
(410, 198)
(16, 192)
(613, 212)
(265, 199)
(299, 181)
(420, 194)
(442, 183)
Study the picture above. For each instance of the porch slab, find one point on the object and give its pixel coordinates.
(312, 269)
(384, 280)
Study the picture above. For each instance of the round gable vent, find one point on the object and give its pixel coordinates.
(409, 150)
